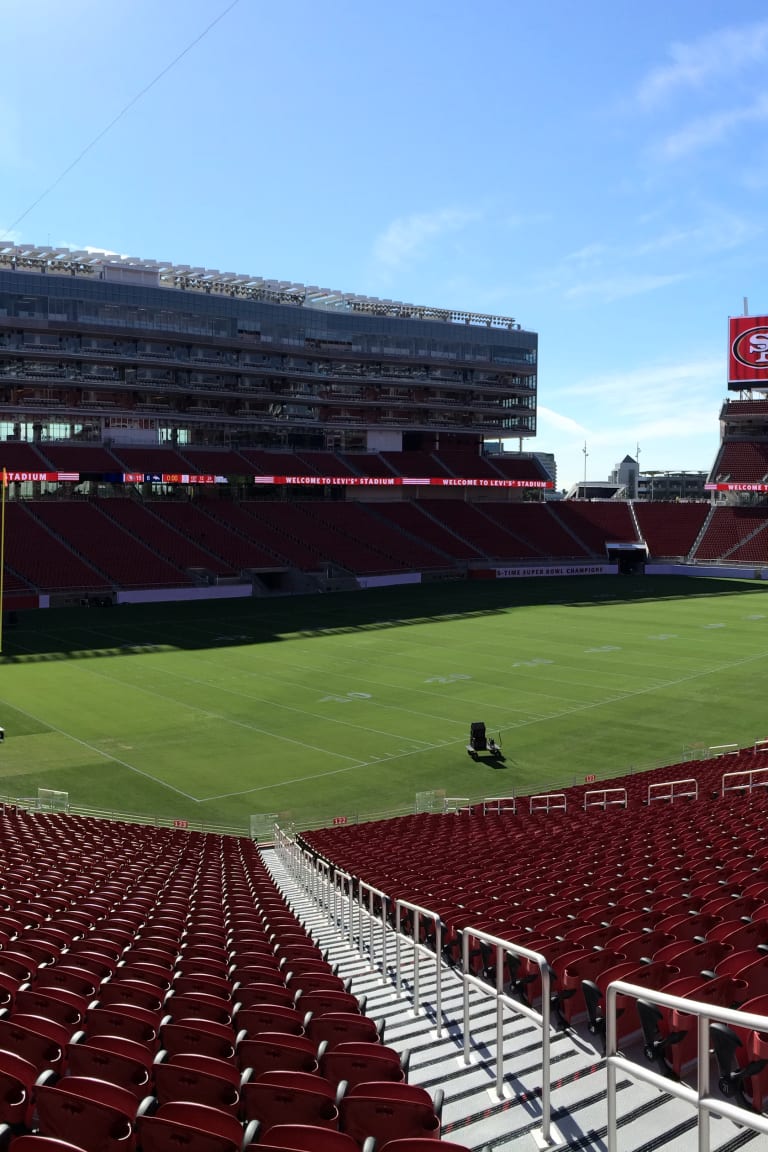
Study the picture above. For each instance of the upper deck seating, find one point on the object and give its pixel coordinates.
(742, 462)
(265, 463)
(416, 464)
(324, 464)
(176, 531)
(416, 523)
(43, 560)
(670, 529)
(467, 465)
(91, 458)
(389, 546)
(537, 526)
(215, 462)
(597, 523)
(123, 558)
(522, 469)
(16, 456)
(727, 531)
(153, 460)
(366, 463)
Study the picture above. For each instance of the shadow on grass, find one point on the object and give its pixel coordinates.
(85, 633)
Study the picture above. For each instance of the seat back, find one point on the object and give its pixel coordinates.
(114, 1059)
(17, 1080)
(271, 1050)
(189, 1127)
(388, 1112)
(281, 1103)
(338, 1027)
(92, 1113)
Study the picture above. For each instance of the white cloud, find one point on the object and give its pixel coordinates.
(407, 237)
(621, 286)
(548, 418)
(722, 53)
(648, 381)
(707, 131)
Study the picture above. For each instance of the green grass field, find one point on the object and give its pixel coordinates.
(350, 704)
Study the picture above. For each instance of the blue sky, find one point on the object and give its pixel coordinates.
(597, 170)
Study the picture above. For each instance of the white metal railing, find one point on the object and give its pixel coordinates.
(342, 894)
(454, 804)
(673, 790)
(499, 804)
(604, 797)
(420, 950)
(760, 746)
(541, 1018)
(548, 802)
(723, 749)
(698, 1097)
(377, 925)
(744, 781)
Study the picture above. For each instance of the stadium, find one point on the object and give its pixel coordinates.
(261, 583)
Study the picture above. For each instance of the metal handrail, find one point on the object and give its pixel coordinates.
(420, 949)
(748, 775)
(603, 794)
(699, 1097)
(372, 893)
(670, 793)
(542, 1018)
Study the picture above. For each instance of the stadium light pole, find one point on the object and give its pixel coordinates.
(586, 454)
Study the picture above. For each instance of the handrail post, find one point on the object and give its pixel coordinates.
(465, 983)
(398, 982)
(610, 1050)
(546, 1071)
(703, 1081)
(416, 964)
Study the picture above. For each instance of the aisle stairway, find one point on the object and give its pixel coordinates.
(473, 1114)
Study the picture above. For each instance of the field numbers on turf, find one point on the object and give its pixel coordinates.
(713, 625)
(447, 679)
(756, 616)
(530, 663)
(346, 698)
(605, 648)
(664, 636)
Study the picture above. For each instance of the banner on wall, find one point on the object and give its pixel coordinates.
(728, 487)
(401, 482)
(545, 570)
(300, 481)
(747, 351)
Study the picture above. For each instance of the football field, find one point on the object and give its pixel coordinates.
(349, 704)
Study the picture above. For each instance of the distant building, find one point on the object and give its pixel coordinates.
(626, 482)
(672, 486)
(548, 463)
(626, 475)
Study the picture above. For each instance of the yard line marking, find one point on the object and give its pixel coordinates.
(101, 752)
(283, 664)
(272, 704)
(317, 775)
(523, 724)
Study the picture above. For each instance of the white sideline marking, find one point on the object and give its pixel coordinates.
(101, 752)
(430, 747)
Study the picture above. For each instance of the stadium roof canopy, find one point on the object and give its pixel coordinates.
(111, 266)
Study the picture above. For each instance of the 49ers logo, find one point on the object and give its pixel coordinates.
(750, 348)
